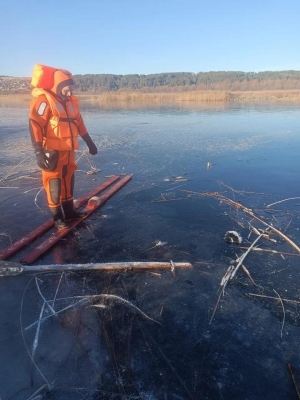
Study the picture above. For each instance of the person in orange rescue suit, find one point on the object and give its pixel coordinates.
(55, 123)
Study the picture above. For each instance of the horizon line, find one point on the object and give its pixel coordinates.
(173, 72)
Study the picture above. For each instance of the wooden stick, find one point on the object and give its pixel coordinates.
(6, 267)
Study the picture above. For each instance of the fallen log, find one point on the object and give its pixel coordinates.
(10, 268)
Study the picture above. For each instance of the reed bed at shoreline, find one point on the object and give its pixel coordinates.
(170, 97)
(267, 95)
(138, 97)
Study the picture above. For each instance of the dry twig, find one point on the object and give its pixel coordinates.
(274, 298)
(5, 234)
(23, 337)
(283, 320)
(33, 396)
(158, 243)
(294, 380)
(281, 201)
(230, 273)
(13, 168)
(248, 274)
(86, 299)
(270, 251)
(42, 296)
(114, 297)
(36, 196)
(247, 211)
(37, 333)
(215, 309)
(240, 260)
(163, 201)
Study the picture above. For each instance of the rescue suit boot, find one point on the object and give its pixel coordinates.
(69, 212)
(58, 218)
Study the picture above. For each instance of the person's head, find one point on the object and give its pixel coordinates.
(63, 84)
(67, 91)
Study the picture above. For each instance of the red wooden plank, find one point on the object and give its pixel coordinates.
(48, 243)
(20, 243)
(83, 200)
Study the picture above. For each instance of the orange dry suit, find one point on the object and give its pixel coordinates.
(55, 123)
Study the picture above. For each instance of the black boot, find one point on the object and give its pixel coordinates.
(69, 212)
(58, 218)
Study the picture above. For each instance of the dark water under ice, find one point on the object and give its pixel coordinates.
(113, 351)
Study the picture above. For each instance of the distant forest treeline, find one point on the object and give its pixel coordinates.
(186, 81)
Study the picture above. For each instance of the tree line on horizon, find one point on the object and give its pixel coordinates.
(183, 81)
(171, 82)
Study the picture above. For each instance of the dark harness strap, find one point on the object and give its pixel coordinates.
(71, 120)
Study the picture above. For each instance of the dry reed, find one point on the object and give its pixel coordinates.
(137, 97)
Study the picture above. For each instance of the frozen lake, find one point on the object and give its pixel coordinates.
(114, 352)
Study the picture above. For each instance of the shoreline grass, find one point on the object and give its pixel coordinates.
(136, 98)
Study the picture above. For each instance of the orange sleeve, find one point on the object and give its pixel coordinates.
(39, 115)
(79, 120)
(81, 126)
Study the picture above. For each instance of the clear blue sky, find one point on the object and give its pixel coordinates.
(149, 36)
